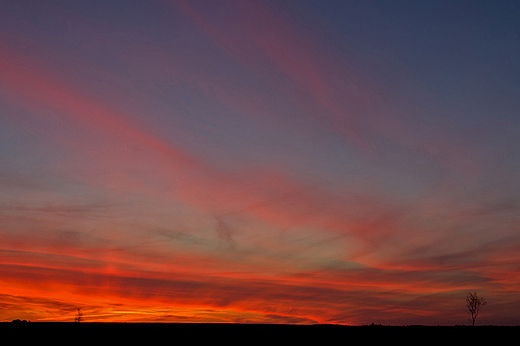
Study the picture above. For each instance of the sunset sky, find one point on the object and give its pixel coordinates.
(295, 161)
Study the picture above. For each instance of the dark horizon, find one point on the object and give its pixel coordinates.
(236, 332)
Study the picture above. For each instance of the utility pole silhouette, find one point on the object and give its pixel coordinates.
(79, 316)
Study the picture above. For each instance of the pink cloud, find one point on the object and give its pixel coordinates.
(256, 33)
(344, 100)
(264, 193)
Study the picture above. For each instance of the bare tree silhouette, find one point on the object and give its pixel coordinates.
(473, 304)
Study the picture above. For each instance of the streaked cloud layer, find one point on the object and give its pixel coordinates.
(259, 161)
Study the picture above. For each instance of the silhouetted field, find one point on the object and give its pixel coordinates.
(152, 333)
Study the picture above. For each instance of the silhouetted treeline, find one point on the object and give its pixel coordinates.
(150, 333)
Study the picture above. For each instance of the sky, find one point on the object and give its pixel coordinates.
(260, 161)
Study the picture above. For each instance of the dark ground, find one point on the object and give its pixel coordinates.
(168, 333)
